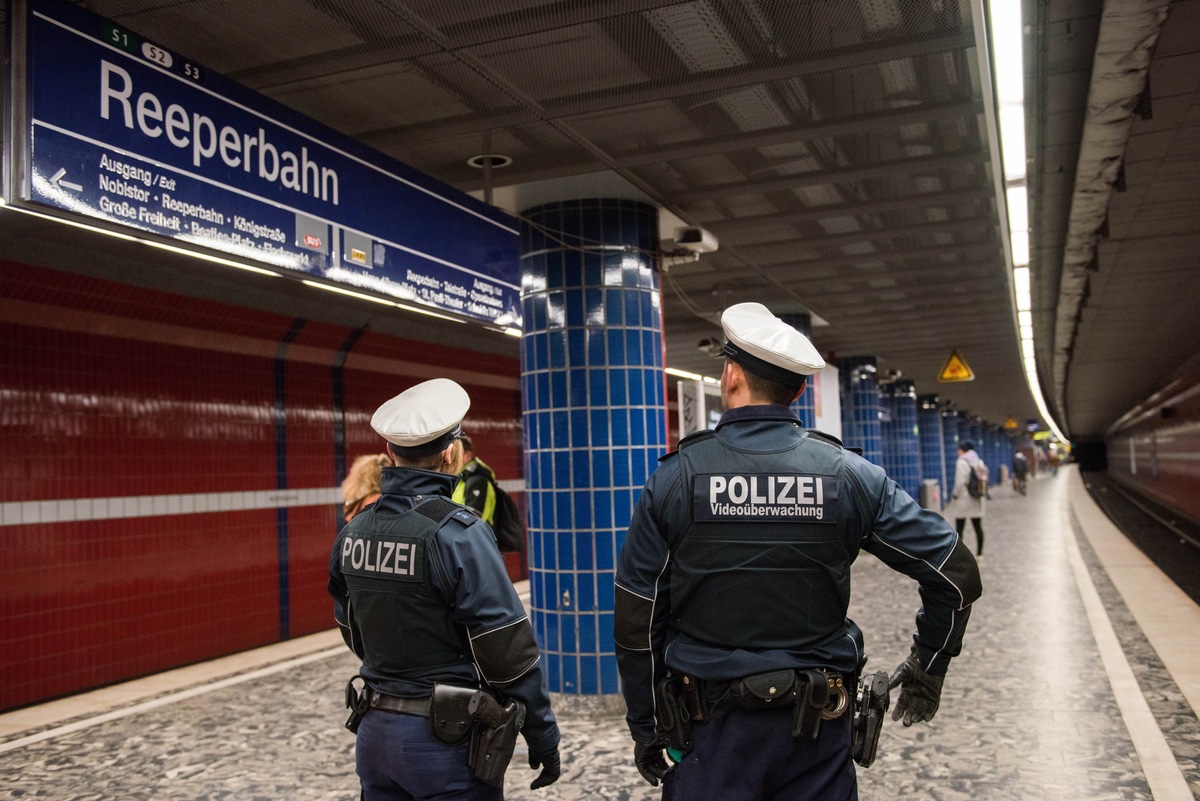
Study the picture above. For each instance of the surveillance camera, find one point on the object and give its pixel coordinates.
(695, 239)
(711, 346)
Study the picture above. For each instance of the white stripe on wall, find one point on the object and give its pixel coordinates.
(79, 510)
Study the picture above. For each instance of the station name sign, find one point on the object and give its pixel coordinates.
(113, 127)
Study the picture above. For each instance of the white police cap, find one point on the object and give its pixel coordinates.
(763, 344)
(423, 419)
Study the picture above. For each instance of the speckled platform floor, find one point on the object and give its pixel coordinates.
(1028, 713)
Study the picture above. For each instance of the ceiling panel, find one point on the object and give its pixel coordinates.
(836, 149)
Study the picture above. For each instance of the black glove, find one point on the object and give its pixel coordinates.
(650, 762)
(551, 767)
(920, 693)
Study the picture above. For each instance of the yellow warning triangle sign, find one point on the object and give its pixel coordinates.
(956, 369)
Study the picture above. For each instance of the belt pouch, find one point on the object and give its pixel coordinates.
(764, 690)
(449, 720)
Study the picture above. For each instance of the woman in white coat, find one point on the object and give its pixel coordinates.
(962, 505)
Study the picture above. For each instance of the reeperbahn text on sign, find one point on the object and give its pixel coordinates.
(122, 130)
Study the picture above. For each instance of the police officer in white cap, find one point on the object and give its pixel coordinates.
(422, 596)
(738, 660)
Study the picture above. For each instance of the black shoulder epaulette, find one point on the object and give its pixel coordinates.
(826, 437)
(690, 439)
(832, 440)
(438, 509)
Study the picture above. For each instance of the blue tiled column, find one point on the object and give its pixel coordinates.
(887, 437)
(594, 398)
(860, 406)
(950, 438)
(1001, 453)
(991, 435)
(964, 427)
(975, 434)
(933, 449)
(805, 406)
(901, 444)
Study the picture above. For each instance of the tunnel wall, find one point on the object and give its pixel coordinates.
(171, 471)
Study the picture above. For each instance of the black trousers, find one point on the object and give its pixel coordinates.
(977, 523)
(752, 756)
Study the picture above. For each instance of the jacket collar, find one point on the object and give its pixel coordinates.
(758, 413)
(411, 481)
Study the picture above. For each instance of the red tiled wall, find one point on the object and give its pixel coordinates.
(1156, 452)
(109, 393)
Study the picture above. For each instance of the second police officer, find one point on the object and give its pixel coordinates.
(449, 660)
(733, 585)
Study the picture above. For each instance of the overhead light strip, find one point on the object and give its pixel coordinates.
(1008, 70)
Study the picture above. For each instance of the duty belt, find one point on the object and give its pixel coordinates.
(393, 703)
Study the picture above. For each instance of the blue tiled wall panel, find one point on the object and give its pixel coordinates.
(594, 418)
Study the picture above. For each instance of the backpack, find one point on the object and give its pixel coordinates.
(977, 482)
(508, 524)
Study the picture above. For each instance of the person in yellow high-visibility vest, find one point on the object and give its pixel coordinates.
(476, 487)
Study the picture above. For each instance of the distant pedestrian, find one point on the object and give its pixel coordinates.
(1020, 471)
(963, 504)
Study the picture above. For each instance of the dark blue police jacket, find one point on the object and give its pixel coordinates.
(423, 602)
(738, 557)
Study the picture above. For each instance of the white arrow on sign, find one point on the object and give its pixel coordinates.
(57, 180)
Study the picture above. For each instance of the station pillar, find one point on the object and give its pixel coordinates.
(950, 439)
(933, 449)
(860, 406)
(594, 416)
(901, 444)
(805, 406)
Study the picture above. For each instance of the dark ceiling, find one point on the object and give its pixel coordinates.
(840, 150)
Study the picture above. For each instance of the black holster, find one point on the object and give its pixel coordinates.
(449, 718)
(870, 708)
(356, 701)
(493, 737)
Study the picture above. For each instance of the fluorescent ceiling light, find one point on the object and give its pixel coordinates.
(1018, 209)
(350, 292)
(1021, 279)
(690, 376)
(1009, 66)
(1008, 69)
(684, 374)
(1020, 248)
(151, 242)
